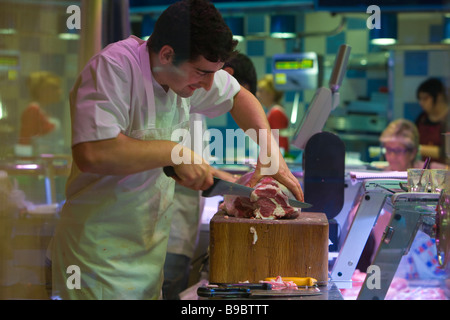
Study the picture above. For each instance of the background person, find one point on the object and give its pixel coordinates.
(243, 70)
(400, 140)
(433, 121)
(125, 105)
(270, 98)
(37, 128)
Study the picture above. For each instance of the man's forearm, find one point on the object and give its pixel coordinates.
(122, 155)
(248, 112)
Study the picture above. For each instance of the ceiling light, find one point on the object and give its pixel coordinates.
(282, 26)
(147, 27)
(236, 25)
(387, 33)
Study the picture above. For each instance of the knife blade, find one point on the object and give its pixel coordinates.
(221, 187)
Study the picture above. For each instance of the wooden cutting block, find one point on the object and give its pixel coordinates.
(252, 249)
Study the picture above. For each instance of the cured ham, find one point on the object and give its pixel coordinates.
(268, 201)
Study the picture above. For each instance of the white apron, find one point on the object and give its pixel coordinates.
(117, 234)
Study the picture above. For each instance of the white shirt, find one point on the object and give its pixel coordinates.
(115, 101)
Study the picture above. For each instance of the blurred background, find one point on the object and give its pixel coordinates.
(379, 86)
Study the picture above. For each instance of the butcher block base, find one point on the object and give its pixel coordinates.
(253, 249)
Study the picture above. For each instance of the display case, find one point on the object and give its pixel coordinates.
(31, 195)
(410, 259)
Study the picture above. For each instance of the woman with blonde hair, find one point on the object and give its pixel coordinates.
(400, 141)
(270, 98)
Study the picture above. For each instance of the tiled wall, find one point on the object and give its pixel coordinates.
(38, 48)
(417, 58)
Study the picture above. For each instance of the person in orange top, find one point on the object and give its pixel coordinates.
(45, 89)
(270, 98)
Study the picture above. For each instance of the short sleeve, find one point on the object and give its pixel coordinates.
(100, 101)
(219, 99)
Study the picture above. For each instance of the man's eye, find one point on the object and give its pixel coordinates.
(201, 73)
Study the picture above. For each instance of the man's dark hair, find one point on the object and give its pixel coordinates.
(193, 28)
(433, 87)
(244, 71)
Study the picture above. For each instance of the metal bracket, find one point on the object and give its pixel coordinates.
(365, 218)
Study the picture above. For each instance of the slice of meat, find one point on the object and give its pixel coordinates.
(268, 201)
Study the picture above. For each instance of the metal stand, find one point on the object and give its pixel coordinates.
(374, 196)
(411, 212)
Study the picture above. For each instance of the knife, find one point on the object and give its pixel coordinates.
(252, 286)
(221, 187)
(208, 292)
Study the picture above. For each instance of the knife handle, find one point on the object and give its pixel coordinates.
(299, 281)
(169, 171)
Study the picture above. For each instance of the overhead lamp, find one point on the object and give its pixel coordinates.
(70, 34)
(7, 24)
(282, 26)
(66, 33)
(236, 25)
(147, 27)
(446, 34)
(387, 33)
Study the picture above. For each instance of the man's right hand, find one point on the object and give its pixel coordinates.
(195, 174)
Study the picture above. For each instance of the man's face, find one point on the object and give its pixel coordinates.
(188, 76)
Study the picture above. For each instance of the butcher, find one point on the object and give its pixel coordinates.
(125, 104)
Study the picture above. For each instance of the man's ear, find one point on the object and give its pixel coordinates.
(166, 54)
(230, 70)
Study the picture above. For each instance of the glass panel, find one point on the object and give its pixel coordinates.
(37, 70)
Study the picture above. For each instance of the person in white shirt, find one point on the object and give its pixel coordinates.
(111, 240)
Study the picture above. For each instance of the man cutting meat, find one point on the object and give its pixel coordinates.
(125, 105)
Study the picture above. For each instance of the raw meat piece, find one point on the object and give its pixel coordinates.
(268, 201)
(279, 284)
